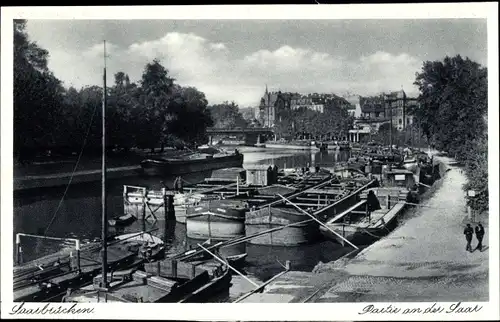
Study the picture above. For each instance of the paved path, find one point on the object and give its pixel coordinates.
(423, 260)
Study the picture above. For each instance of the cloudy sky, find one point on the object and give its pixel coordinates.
(235, 59)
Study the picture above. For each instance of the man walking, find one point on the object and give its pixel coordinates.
(479, 235)
(468, 232)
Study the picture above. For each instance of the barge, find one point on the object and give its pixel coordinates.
(166, 281)
(46, 279)
(225, 219)
(294, 213)
(294, 145)
(373, 217)
(196, 162)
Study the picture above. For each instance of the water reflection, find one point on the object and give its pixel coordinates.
(264, 261)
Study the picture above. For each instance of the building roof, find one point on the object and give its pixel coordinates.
(371, 104)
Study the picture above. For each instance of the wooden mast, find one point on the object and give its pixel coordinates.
(104, 217)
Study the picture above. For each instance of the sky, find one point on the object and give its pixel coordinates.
(233, 60)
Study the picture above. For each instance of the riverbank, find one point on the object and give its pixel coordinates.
(422, 260)
(54, 172)
(55, 165)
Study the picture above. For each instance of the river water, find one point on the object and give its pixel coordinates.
(78, 215)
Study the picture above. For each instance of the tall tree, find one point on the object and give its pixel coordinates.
(191, 116)
(38, 95)
(453, 102)
(154, 96)
(452, 114)
(122, 105)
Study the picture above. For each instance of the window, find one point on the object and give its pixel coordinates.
(377, 114)
(400, 121)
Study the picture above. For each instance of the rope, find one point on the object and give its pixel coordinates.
(73, 173)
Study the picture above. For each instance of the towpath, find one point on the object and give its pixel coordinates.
(422, 260)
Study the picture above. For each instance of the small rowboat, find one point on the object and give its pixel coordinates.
(122, 220)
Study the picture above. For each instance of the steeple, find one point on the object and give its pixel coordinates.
(266, 89)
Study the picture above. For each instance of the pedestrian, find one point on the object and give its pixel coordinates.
(479, 235)
(468, 232)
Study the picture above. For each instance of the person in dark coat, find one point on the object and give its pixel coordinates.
(372, 201)
(479, 235)
(275, 174)
(468, 232)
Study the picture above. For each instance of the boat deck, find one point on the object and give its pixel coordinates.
(60, 275)
(132, 291)
(377, 219)
(153, 288)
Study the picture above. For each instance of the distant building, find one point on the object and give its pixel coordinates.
(398, 105)
(336, 103)
(270, 106)
(386, 108)
(306, 102)
(267, 111)
(274, 102)
(322, 102)
(373, 113)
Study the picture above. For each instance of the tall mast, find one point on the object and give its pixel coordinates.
(104, 217)
(390, 124)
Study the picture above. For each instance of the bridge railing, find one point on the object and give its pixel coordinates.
(241, 130)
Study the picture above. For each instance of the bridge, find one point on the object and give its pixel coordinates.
(250, 135)
(249, 130)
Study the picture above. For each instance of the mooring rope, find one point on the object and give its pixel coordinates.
(73, 173)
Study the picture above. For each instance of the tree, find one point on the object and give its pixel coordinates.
(122, 109)
(38, 96)
(154, 96)
(227, 115)
(453, 106)
(453, 101)
(476, 169)
(191, 116)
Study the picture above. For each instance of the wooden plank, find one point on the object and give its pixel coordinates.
(330, 192)
(307, 204)
(321, 200)
(359, 204)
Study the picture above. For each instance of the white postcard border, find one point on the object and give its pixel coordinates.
(256, 312)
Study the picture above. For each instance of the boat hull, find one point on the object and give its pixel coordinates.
(364, 234)
(262, 220)
(218, 219)
(172, 167)
(289, 236)
(212, 226)
(292, 146)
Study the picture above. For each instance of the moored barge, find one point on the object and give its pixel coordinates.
(225, 219)
(294, 213)
(373, 217)
(196, 162)
(166, 281)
